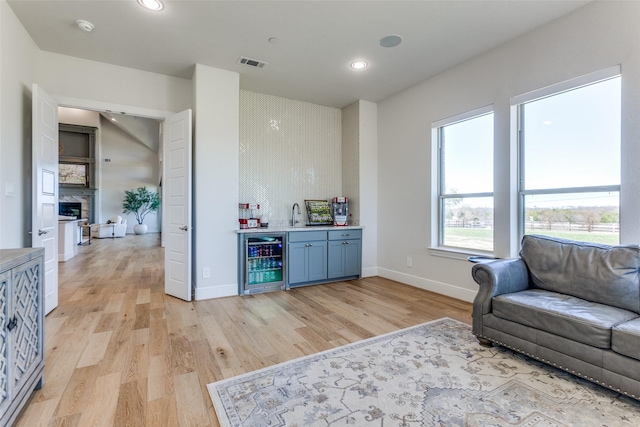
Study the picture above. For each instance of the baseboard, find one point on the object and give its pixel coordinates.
(218, 291)
(228, 290)
(370, 272)
(429, 285)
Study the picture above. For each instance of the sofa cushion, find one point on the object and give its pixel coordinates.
(625, 338)
(597, 273)
(570, 317)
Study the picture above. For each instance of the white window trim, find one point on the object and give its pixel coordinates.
(434, 247)
(566, 85)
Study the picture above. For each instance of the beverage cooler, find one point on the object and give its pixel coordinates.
(262, 266)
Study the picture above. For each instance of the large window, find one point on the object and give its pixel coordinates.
(465, 194)
(570, 162)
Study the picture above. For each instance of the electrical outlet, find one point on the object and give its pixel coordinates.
(409, 261)
(206, 272)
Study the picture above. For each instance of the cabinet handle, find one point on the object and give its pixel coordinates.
(184, 228)
(346, 234)
(345, 243)
(308, 245)
(12, 324)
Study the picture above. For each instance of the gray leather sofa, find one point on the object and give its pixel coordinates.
(573, 305)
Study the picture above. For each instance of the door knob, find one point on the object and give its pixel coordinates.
(184, 228)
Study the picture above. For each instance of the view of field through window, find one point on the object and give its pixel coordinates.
(467, 183)
(569, 171)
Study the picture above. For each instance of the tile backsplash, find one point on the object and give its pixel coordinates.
(289, 151)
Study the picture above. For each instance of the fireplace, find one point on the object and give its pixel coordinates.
(71, 209)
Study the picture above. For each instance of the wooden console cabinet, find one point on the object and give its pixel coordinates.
(21, 329)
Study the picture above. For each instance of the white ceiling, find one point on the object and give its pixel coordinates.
(317, 40)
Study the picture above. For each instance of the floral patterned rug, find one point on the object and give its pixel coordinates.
(434, 374)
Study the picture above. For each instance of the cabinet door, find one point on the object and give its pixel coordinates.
(5, 399)
(317, 253)
(335, 259)
(352, 257)
(297, 265)
(27, 334)
(344, 258)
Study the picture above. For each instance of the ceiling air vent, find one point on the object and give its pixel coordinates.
(251, 62)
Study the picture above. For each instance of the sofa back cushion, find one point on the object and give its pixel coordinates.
(597, 273)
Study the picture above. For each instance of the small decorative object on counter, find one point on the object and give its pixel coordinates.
(248, 213)
(318, 212)
(340, 211)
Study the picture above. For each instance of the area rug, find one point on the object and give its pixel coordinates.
(434, 374)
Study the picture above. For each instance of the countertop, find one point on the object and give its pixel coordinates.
(298, 228)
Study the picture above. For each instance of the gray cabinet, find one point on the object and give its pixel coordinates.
(344, 253)
(21, 329)
(322, 256)
(307, 255)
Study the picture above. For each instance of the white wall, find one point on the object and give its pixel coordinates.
(289, 151)
(75, 116)
(68, 77)
(351, 160)
(132, 165)
(18, 63)
(597, 36)
(215, 188)
(368, 184)
(360, 176)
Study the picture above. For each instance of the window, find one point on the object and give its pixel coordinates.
(570, 161)
(465, 181)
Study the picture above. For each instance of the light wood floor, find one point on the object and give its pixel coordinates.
(119, 352)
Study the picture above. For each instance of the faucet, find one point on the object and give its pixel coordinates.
(293, 214)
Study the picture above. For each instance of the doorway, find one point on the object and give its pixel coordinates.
(123, 154)
(177, 223)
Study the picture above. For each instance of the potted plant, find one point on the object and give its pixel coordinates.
(140, 202)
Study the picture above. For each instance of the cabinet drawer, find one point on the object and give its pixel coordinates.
(345, 234)
(306, 236)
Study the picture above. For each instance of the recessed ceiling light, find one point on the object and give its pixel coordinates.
(155, 5)
(390, 41)
(359, 65)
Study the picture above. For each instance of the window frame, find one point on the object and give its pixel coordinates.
(518, 103)
(439, 196)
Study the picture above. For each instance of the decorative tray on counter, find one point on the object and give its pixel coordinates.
(318, 212)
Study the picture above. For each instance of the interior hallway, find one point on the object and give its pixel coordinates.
(121, 352)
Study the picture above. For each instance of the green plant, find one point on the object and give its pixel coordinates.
(140, 202)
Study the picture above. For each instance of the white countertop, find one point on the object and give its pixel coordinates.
(298, 228)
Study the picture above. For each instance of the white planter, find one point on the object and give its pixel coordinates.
(140, 228)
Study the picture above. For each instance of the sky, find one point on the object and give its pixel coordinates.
(571, 139)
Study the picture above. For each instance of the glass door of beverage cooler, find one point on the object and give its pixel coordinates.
(264, 263)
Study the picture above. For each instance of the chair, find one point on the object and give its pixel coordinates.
(115, 227)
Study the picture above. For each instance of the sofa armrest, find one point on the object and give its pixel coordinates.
(496, 278)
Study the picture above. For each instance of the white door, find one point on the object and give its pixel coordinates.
(44, 216)
(176, 189)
